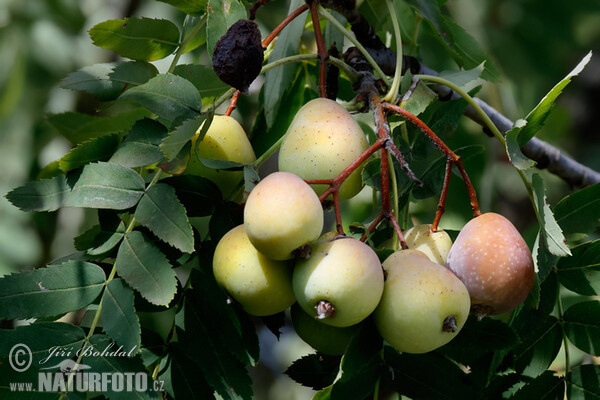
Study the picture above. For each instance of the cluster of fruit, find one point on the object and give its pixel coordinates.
(419, 297)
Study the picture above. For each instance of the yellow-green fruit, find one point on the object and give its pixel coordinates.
(423, 306)
(224, 140)
(262, 286)
(341, 283)
(282, 213)
(322, 140)
(435, 245)
(326, 339)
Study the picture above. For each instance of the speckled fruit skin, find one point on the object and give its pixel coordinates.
(346, 273)
(281, 214)
(418, 296)
(262, 286)
(324, 338)
(322, 140)
(494, 262)
(224, 140)
(435, 245)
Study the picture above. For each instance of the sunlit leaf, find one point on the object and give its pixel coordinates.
(49, 291)
(143, 39)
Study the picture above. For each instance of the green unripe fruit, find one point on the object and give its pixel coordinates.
(435, 245)
(322, 140)
(282, 213)
(423, 306)
(262, 286)
(323, 338)
(341, 283)
(224, 140)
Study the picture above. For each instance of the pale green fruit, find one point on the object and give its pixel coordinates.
(423, 306)
(282, 213)
(224, 140)
(326, 339)
(435, 245)
(322, 140)
(341, 283)
(262, 286)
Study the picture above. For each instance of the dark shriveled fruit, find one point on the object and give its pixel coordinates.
(494, 262)
(238, 55)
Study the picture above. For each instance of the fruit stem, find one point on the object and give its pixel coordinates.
(324, 309)
(232, 103)
(356, 43)
(393, 92)
(321, 50)
(442, 202)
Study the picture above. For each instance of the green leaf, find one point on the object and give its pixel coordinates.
(198, 195)
(45, 195)
(201, 337)
(140, 147)
(97, 356)
(552, 232)
(536, 118)
(160, 211)
(428, 376)
(314, 370)
(433, 177)
(50, 291)
(544, 260)
(580, 211)
(581, 272)
(420, 99)
(361, 364)
(583, 383)
(146, 269)
(143, 39)
(192, 7)
(98, 149)
(168, 96)
(106, 185)
(582, 325)
(97, 241)
(541, 341)
(119, 320)
(172, 144)
(277, 80)
(95, 80)
(42, 339)
(181, 377)
(221, 15)
(463, 48)
(513, 148)
(478, 337)
(190, 27)
(466, 79)
(206, 81)
(236, 330)
(77, 127)
(546, 386)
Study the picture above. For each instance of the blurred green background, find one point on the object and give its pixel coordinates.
(534, 43)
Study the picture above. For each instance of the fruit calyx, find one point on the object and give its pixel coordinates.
(449, 324)
(324, 309)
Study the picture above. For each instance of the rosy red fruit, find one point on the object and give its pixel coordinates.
(494, 262)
